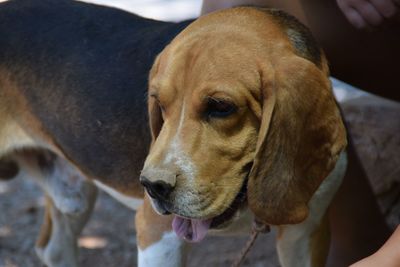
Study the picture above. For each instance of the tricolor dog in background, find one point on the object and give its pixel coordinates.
(243, 125)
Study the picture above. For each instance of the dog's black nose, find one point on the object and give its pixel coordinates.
(159, 189)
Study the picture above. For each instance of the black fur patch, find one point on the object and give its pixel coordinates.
(83, 69)
(299, 35)
(8, 169)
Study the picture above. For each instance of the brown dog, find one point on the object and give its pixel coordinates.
(242, 116)
(73, 79)
(240, 103)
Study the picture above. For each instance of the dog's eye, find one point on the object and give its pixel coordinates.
(217, 108)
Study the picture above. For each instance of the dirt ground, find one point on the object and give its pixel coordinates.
(108, 239)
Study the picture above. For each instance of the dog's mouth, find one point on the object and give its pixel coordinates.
(195, 230)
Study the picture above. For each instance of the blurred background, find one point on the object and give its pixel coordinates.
(109, 238)
(167, 10)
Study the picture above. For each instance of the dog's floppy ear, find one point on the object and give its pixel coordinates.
(300, 138)
(155, 114)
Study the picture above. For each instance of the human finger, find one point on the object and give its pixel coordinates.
(369, 13)
(387, 8)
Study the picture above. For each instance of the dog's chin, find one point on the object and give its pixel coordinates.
(225, 218)
(194, 229)
(218, 222)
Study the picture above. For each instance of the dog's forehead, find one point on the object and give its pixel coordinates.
(230, 58)
(212, 53)
(198, 69)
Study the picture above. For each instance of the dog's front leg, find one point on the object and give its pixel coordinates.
(158, 245)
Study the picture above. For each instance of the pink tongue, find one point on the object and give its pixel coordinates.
(189, 229)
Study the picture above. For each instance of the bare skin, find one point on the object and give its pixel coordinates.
(368, 13)
(388, 255)
(361, 39)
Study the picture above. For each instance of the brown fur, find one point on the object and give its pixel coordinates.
(149, 225)
(18, 118)
(45, 231)
(84, 102)
(303, 141)
(288, 124)
(15, 112)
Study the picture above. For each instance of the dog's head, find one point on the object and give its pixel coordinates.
(240, 104)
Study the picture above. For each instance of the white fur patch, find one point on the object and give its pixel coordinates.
(176, 154)
(169, 251)
(294, 244)
(130, 202)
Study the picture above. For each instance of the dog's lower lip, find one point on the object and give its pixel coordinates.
(231, 210)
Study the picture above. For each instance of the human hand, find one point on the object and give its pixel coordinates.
(366, 13)
(387, 256)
